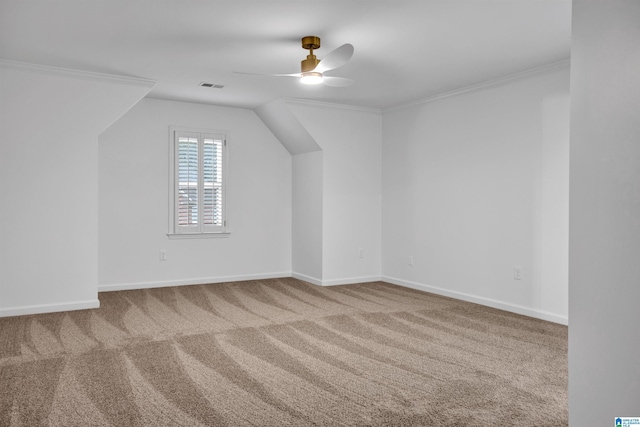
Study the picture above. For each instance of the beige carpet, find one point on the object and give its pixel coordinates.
(282, 352)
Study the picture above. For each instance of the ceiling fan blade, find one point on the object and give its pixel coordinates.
(271, 75)
(336, 81)
(336, 58)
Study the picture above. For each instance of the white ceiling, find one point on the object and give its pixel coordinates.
(404, 50)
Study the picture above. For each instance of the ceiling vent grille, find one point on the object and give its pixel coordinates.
(211, 85)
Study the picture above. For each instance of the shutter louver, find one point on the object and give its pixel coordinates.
(212, 167)
(199, 182)
(187, 181)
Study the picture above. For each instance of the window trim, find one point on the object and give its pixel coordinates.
(174, 231)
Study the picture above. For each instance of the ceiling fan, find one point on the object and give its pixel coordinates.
(313, 69)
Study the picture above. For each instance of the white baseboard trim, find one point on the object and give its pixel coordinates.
(49, 308)
(192, 281)
(83, 305)
(501, 305)
(335, 282)
(351, 280)
(305, 278)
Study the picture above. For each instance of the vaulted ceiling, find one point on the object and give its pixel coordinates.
(404, 50)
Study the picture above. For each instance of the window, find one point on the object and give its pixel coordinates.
(197, 192)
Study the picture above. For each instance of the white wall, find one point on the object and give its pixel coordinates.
(133, 201)
(351, 213)
(50, 121)
(477, 183)
(604, 335)
(307, 230)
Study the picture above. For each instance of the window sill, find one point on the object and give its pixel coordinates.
(177, 236)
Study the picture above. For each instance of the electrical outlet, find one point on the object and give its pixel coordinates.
(517, 272)
(410, 260)
(163, 255)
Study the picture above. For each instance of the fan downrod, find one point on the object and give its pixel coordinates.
(310, 43)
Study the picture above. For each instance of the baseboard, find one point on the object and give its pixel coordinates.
(305, 278)
(334, 282)
(49, 308)
(191, 281)
(84, 305)
(351, 280)
(501, 305)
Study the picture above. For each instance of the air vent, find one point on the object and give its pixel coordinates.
(211, 85)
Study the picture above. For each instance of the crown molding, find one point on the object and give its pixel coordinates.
(489, 83)
(78, 74)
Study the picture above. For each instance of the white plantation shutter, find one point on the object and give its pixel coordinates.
(198, 171)
(188, 159)
(212, 181)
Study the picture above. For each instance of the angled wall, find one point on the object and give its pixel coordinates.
(351, 188)
(307, 218)
(307, 183)
(336, 195)
(277, 116)
(50, 122)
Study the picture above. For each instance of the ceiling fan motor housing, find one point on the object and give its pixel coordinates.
(311, 43)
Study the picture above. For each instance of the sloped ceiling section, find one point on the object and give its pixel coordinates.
(50, 120)
(287, 128)
(53, 99)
